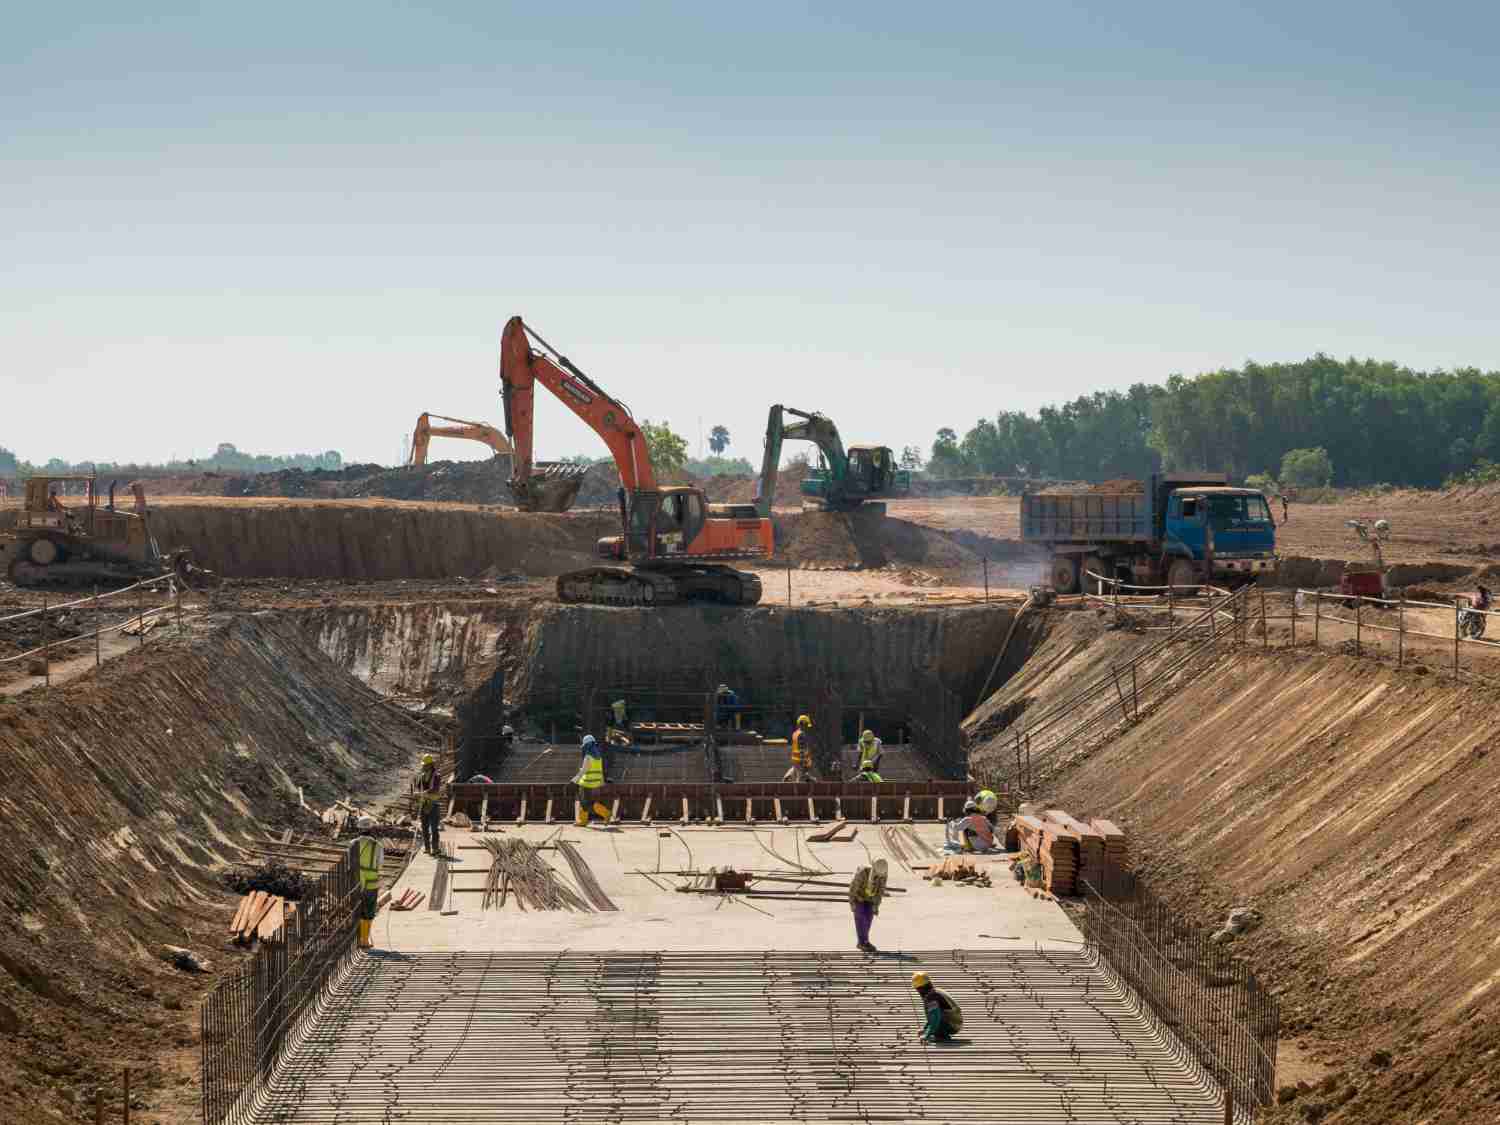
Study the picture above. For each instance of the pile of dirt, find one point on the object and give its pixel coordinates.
(125, 795)
(1354, 812)
(865, 540)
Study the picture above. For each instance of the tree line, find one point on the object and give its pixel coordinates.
(1361, 422)
(225, 458)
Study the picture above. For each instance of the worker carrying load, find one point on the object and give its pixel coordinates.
(871, 750)
(369, 854)
(590, 780)
(866, 890)
(429, 784)
(802, 750)
(945, 1018)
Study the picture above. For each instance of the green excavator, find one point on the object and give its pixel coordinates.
(846, 479)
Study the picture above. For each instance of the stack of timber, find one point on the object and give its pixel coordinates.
(260, 917)
(958, 869)
(1055, 846)
(1116, 853)
(1091, 858)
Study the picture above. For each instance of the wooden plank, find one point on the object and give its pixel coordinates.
(484, 813)
(827, 833)
(940, 809)
(780, 816)
(812, 814)
(521, 817)
(646, 811)
(906, 809)
(684, 810)
(614, 811)
(275, 918)
(874, 809)
(549, 810)
(239, 913)
(719, 804)
(749, 804)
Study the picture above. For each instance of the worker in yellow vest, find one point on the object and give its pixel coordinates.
(802, 748)
(369, 854)
(429, 786)
(590, 780)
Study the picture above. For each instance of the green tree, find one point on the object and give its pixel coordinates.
(718, 440)
(668, 451)
(9, 466)
(947, 458)
(911, 458)
(1307, 468)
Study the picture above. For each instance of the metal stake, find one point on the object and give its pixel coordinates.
(1457, 615)
(1401, 631)
(46, 638)
(1359, 604)
(986, 578)
(1317, 617)
(98, 641)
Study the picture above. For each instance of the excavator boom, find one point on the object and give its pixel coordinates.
(473, 431)
(521, 368)
(848, 478)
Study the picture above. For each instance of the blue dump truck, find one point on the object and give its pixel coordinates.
(1152, 532)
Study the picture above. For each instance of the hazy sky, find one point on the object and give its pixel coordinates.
(294, 227)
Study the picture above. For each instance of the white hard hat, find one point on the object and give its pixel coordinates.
(365, 822)
(507, 729)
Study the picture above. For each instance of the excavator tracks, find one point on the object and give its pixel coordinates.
(654, 587)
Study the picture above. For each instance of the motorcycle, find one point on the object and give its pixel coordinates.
(1471, 623)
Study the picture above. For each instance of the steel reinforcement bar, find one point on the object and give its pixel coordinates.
(731, 1037)
(684, 801)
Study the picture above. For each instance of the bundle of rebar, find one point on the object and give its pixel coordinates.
(585, 876)
(764, 1037)
(518, 867)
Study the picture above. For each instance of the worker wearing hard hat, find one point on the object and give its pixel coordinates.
(871, 750)
(726, 707)
(369, 854)
(867, 772)
(866, 890)
(945, 1018)
(801, 768)
(590, 780)
(428, 785)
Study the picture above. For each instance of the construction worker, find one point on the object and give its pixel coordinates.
(867, 772)
(987, 803)
(590, 780)
(369, 854)
(801, 768)
(429, 785)
(726, 707)
(945, 1018)
(871, 750)
(866, 890)
(975, 830)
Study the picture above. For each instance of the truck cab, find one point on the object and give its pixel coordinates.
(1238, 519)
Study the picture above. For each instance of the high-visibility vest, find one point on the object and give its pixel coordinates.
(593, 772)
(427, 785)
(799, 756)
(369, 863)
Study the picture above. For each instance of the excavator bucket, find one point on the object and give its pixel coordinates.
(551, 487)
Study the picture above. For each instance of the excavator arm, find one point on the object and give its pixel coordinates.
(522, 367)
(474, 431)
(814, 427)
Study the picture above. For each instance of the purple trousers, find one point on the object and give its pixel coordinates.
(864, 914)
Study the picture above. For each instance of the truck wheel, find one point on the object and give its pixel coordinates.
(1093, 563)
(1182, 573)
(1064, 574)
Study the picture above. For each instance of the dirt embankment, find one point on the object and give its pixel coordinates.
(1353, 805)
(865, 540)
(123, 795)
(374, 541)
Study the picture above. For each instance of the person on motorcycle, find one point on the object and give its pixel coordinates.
(1483, 599)
(1472, 620)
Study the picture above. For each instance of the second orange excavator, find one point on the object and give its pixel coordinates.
(425, 431)
(675, 543)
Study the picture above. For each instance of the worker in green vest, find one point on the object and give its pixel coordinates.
(369, 854)
(590, 780)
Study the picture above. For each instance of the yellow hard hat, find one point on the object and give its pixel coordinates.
(428, 760)
(804, 721)
(868, 736)
(920, 980)
(867, 764)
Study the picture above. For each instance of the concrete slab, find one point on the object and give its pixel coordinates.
(653, 915)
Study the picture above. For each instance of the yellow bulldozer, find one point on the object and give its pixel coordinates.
(83, 543)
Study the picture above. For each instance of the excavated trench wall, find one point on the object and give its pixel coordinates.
(371, 541)
(427, 650)
(875, 657)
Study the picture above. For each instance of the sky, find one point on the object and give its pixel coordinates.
(295, 227)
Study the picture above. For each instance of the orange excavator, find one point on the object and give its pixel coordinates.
(674, 544)
(474, 431)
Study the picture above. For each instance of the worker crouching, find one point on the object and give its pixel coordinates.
(590, 782)
(945, 1018)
